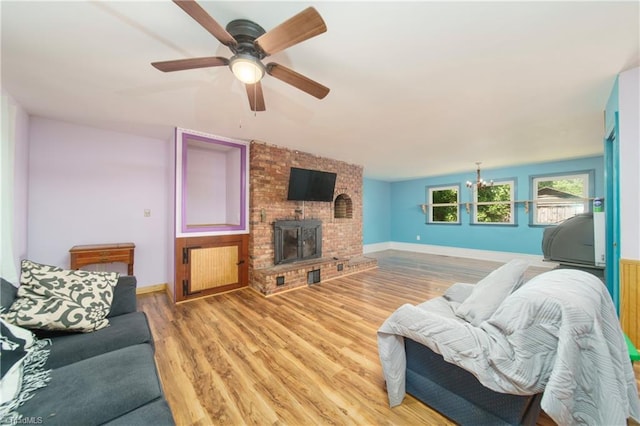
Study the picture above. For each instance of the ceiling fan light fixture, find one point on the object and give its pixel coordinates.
(250, 44)
(248, 69)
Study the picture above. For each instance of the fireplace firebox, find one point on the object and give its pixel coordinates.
(297, 240)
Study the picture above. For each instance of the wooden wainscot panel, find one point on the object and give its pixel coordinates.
(630, 299)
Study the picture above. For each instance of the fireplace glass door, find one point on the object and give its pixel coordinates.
(309, 246)
(296, 240)
(290, 244)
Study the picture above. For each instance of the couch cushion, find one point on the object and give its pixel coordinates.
(99, 389)
(7, 294)
(51, 298)
(125, 330)
(124, 296)
(156, 413)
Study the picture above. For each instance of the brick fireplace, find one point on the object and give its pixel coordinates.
(341, 220)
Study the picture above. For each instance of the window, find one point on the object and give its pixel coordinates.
(443, 204)
(559, 197)
(494, 204)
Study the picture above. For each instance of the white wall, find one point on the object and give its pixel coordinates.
(16, 146)
(91, 186)
(629, 107)
(21, 187)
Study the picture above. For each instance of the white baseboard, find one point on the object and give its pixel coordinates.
(490, 255)
(372, 248)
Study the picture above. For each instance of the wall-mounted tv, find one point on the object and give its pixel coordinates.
(311, 185)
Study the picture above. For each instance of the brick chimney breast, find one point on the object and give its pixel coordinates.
(341, 219)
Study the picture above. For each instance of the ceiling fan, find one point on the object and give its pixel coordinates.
(250, 43)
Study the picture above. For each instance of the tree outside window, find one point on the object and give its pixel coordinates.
(443, 204)
(494, 204)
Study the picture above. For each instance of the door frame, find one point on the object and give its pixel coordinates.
(612, 210)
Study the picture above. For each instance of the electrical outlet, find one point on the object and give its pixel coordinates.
(417, 237)
(147, 212)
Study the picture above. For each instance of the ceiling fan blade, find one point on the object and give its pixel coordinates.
(291, 77)
(256, 98)
(201, 16)
(294, 30)
(187, 64)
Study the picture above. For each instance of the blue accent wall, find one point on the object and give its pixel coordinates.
(407, 221)
(376, 211)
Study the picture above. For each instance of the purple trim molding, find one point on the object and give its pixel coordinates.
(243, 185)
(175, 180)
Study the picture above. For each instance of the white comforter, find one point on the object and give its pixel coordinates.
(558, 333)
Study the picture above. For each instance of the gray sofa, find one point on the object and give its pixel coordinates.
(457, 394)
(498, 351)
(108, 376)
(451, 390)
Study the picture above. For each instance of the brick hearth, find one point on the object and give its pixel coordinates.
(295, 275)
(341, 236)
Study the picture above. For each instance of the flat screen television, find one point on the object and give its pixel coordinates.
(311, 185)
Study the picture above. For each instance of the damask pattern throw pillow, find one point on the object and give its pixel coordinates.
(51, 298)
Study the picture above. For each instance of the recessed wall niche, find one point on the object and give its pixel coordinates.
(343, 207)
(211, 214)
(212, 175)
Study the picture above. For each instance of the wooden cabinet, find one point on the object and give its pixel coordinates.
(210, 265)
(102, 253)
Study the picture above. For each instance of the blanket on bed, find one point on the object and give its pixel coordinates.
(559, 333)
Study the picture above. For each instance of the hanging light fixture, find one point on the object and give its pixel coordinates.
(479, 183)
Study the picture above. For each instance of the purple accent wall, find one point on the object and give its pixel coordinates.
(92, 186)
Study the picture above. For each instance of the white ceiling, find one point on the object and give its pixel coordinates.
(417, 88)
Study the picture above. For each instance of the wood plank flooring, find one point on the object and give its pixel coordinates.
(305, 357)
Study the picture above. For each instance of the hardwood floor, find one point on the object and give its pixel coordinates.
(308, 356)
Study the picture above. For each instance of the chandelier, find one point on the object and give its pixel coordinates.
(479, 183)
